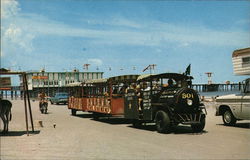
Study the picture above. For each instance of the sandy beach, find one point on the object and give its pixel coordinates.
(80, 137)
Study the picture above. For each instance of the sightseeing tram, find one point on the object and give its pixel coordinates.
(102, 97)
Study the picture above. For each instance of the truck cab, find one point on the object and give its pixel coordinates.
(235, 106)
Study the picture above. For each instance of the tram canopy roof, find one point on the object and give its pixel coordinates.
(116, 79)
(103, 80)
(123, 78)
(175, 76)
(74, 84)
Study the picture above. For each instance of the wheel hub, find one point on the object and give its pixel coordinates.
(227, 117)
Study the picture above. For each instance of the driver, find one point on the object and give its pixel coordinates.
(170, 83)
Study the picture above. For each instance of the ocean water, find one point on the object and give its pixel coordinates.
(218, 93)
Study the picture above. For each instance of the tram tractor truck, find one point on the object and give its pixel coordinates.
(167, 106)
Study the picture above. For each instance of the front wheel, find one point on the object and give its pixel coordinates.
(95, 116)
(199, 127)
(73, 112)
(162, 121)
(228, 118)
(46, 108)
(136, 123)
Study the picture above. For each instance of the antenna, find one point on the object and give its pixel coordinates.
(150, 67)
(86, 66)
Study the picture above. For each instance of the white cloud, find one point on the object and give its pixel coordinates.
(115, 22)
(185, 44)
(243, 22)
(96, 62)
(151, 35)
(22, 31)
(158, 50)
(9, 8)
(14, 37)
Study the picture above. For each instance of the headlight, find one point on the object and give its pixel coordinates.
(189, 102)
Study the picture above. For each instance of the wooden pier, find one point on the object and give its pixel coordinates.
(15, 92)
(217, 87)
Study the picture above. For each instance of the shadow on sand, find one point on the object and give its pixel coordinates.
(112, 120)
(109, 120)
(17, 133)
(83, 115)
(238, 125)
(176, 130)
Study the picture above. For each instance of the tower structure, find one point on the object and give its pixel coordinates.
(209, 75)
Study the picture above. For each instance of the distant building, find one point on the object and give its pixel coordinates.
(241, 61)
(52, 82)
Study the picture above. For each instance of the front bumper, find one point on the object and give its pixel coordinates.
(217, 113)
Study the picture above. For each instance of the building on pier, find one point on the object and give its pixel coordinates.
(52, 82)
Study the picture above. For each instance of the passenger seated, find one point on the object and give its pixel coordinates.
(106, 94)
(146, 87)
(139, 95)
(115, 91)
(132, 86)
(123, 89)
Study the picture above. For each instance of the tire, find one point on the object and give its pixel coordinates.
(199, 127)
(46, 108)
(51, 102)
(73, 112)
(136, 123)
(95, 116)
(228, 118)
(162, 121)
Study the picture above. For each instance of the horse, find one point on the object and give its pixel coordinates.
(5, 113)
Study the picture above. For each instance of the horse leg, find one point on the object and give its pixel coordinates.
(4, 123)
(7, 121)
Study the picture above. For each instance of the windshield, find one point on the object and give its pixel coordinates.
(247, 88)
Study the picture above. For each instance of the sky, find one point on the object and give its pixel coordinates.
(125, 36)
